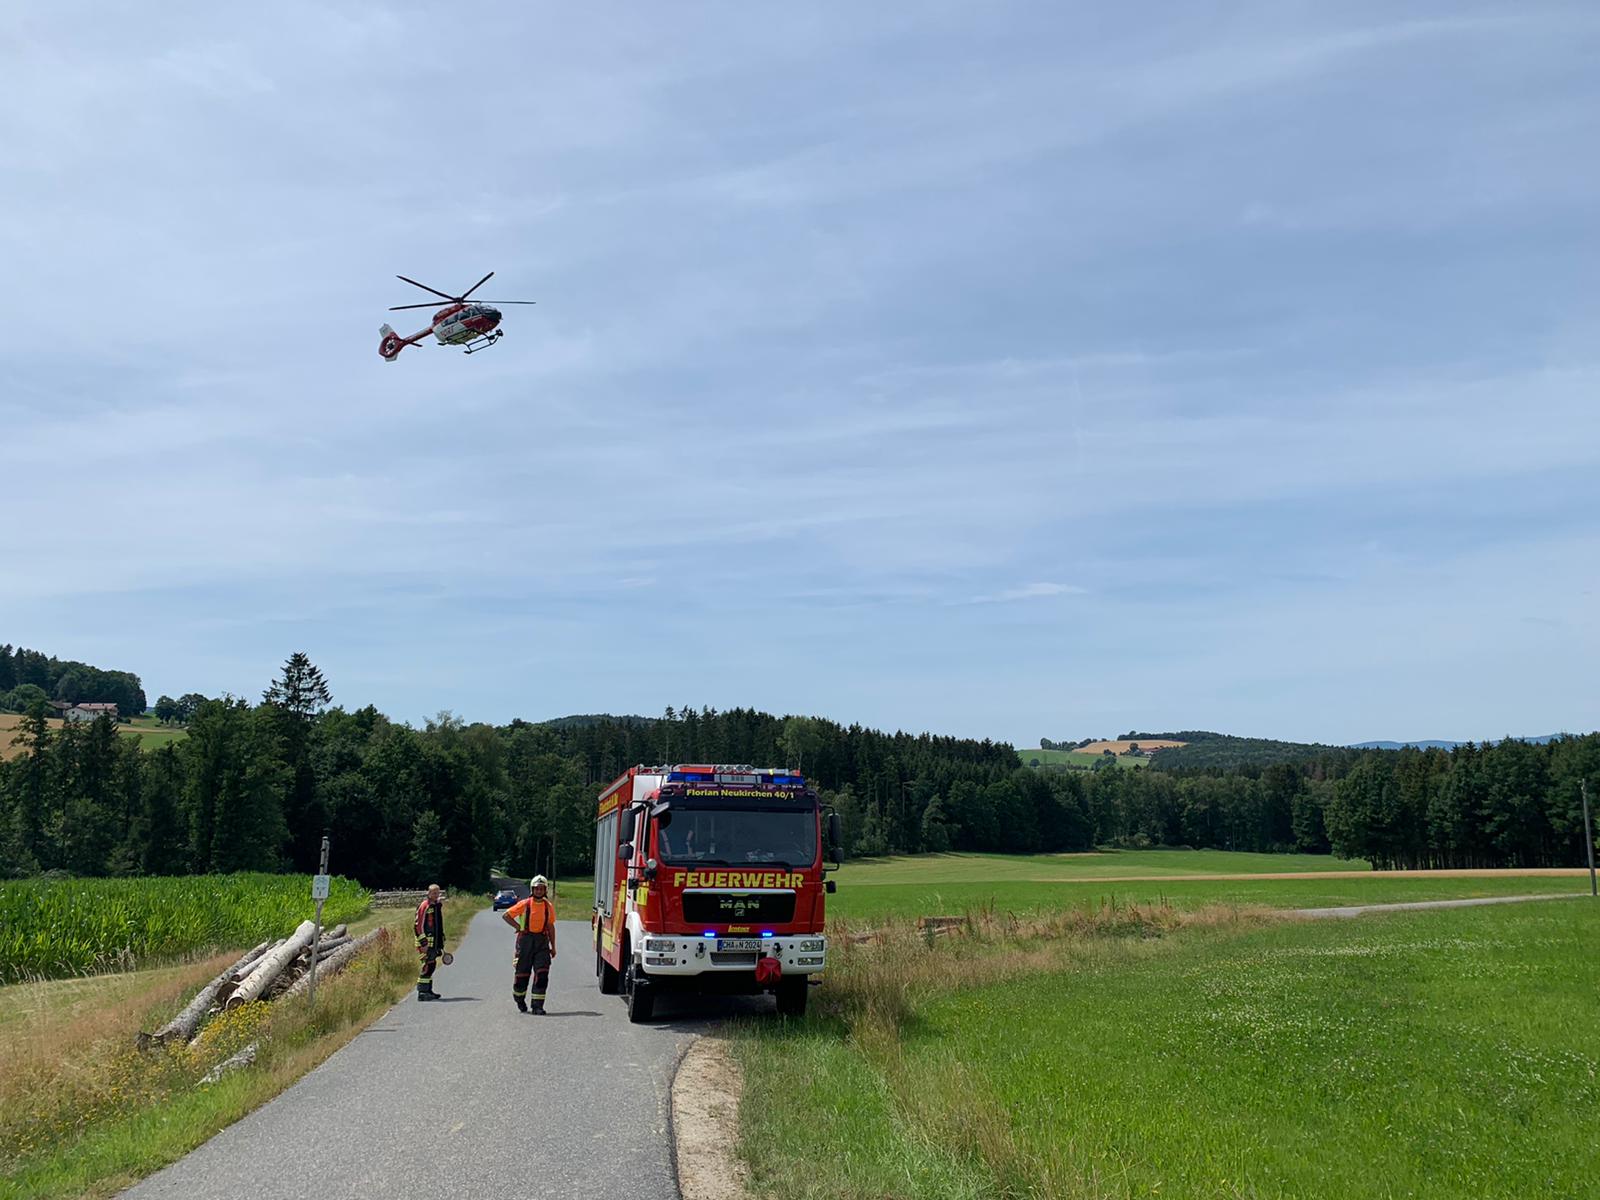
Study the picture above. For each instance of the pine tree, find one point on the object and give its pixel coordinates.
(295, 699)
(302, 690)
(428, 848)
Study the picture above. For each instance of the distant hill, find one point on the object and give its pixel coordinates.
(590, 720)
(64, 679)
(1537, 740)
(1423, 745)
(1204, 748)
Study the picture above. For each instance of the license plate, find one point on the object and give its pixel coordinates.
(738, 943)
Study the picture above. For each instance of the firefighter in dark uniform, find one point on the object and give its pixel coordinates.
(534, 919)
(430, 941)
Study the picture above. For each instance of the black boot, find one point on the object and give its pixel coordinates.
(522, 1005)
(538, 1008)
(425, 990)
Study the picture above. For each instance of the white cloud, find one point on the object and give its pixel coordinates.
(1030, 591)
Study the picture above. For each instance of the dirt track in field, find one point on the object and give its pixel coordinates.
(1120, 745)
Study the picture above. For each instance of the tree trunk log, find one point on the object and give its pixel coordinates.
(240, 974)
(182, 1026)
(272, 965)
(328, 948)
(337, 961)
(232, 1063)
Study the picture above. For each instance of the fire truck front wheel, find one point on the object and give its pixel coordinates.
(792, 991)
(610, 977)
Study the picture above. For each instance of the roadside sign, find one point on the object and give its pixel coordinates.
(319, 887)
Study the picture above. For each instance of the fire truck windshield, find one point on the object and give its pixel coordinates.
(734, 836)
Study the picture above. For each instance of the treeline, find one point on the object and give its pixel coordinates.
(1507, 804)
(1503, 804)
(253, 787)
(1221, 751)
(28, 676)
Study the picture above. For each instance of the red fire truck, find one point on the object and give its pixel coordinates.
(710, 879)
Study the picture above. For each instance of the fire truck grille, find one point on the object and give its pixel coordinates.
(727, 908)
(733, 958)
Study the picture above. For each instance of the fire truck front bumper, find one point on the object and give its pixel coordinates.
(667, 955)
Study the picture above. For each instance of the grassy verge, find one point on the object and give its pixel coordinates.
(83, 1113)
(1204, 1054)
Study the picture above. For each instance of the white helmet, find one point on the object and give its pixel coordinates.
(538, 881)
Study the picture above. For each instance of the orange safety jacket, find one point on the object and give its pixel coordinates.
(533, 915)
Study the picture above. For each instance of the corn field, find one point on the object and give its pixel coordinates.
(57, 927)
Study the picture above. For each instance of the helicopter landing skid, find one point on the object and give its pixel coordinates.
(484, 342)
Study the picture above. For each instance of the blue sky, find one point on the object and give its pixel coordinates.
(1002, 370)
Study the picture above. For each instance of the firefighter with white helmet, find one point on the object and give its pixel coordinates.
(534, 919)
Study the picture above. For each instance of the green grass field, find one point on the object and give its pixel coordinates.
(151, 733)
(1425, 1054)
(953, 884)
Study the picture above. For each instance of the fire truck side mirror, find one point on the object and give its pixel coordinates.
(835, 834)
(625, 850)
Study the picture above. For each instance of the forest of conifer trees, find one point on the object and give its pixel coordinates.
(254, 786)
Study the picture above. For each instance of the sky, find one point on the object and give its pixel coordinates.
(1004, 370)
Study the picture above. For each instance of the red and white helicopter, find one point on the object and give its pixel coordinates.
(458, 323)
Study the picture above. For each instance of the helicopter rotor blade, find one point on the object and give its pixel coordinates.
(426, 288)
(476, 286)
(505, 302)
(403, 307)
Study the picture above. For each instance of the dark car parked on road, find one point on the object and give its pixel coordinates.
(504, 898)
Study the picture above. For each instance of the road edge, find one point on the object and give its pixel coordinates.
(703, 1122)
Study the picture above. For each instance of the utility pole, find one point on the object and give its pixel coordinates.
(1588, 836)
(319, 893)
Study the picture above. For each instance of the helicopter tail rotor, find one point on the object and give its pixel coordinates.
(391, 345)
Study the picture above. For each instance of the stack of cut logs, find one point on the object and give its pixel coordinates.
(270, 971)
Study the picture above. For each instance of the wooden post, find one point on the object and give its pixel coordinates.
(319, 892)
(1588, 837)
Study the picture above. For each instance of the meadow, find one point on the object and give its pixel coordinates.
(1213, 1053)
(872, 890)
(146, 730)
(57, 927)
(151, 733)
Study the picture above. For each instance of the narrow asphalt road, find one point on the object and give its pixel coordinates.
(468, 1097)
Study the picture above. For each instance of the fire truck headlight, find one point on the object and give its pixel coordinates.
(809, 962)
(664, 945)
(812, 946)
